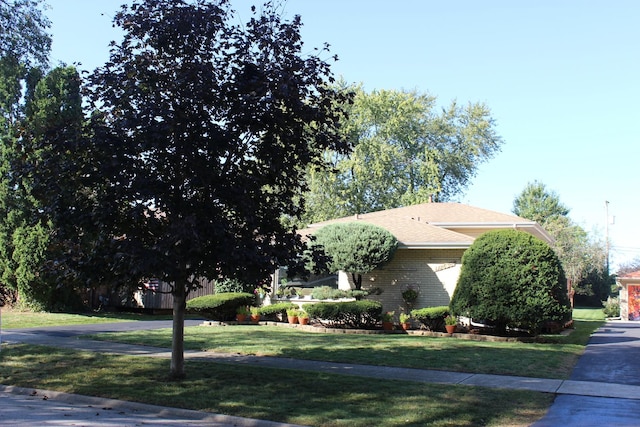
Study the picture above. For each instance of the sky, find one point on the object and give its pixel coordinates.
(560, 78)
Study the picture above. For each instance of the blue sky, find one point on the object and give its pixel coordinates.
(560, 77)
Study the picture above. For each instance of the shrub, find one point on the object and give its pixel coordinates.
(273, 311)
(611, 307)
(510, 278)
(348, 314)
(431, 317)
(222, 306)
(230, 285)
(327, 292)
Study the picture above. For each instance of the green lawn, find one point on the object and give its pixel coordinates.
(309, 398)
(549, 360)
(282, 395)
(12, 319)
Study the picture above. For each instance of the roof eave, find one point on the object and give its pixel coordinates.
(434, 245)
(514, 225)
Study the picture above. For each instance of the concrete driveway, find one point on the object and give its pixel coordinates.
(611, 360)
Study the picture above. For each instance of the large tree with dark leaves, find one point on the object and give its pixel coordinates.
(202, 132)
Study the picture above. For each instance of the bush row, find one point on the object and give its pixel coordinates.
(349, 314)
(222, 306)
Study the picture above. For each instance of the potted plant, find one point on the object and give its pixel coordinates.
(292, 315)
(303, 317)
(242, 313)
(387, 320)
(405, 321)
(450, 323)
(255, 314)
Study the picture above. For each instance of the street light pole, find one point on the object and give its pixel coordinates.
(606, 232)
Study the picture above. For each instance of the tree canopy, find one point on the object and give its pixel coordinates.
(24, 233)
(581, 254)
(510, 278)
(405, 152)
(355, 248)
(539, 204)
(200, 136)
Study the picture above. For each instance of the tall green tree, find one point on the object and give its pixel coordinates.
(405, 152)
(539, 204)
(202, 133)
(37, 227)
(583, 257)
(355, 248)
(24, 50)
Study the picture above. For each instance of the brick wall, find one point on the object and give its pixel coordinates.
(432, 272)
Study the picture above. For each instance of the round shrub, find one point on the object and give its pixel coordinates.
(220, 306)
(431, 317)
(510, 278)
(273, 311)
(347, 314)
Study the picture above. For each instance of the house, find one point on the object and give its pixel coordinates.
(431, 240)
(629, 284)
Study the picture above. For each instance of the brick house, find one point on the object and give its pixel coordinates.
(431, 240)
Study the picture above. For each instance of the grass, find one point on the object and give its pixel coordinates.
(310, 398)
(317, 399)
(553, 359)
(12, 319)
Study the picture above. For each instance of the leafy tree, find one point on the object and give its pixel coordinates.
(582, 256)
(36, 227)
(24, 34)
(629, 267)
(24, 51)
(355, 248)
(404, 153)
(202, 133)
(510, 278)
(539, 204)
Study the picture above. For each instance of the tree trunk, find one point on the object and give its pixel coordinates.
(357, 280)
(177, 371)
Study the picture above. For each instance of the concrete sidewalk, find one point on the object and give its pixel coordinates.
(580, 393)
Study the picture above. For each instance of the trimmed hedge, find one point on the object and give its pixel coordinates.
(431, 317)
(220, 306)
(327, 292)
(273, 311)
(347, 314)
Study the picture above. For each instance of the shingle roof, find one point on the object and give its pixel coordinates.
(631, 275)
(427, 224)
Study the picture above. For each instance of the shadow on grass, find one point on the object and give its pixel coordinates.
(547, 360)
(280, 395)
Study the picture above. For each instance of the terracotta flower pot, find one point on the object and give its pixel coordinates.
(241, 317)
(255, 318)
(292, 319)
(406, 326)
(387, 326)
(303, 320)
(450, 329)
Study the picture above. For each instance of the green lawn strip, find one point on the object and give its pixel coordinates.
(282, 395)
(20, 319)
(545, 360)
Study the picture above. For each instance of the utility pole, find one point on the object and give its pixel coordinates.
(606, 231)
